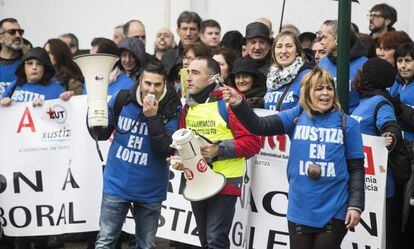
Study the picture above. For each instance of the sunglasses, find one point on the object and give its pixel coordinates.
(13, 31)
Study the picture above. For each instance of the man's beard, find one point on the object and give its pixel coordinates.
(377, 29)
(14, 45)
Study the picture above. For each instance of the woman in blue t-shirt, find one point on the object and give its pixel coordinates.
(375, 114)
(33, 82)
(284, 76)
(326, 161)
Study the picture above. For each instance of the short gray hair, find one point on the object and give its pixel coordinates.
(333, 24)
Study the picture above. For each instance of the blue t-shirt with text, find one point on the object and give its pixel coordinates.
(319, 140)
(31, 91)
(292, 97)
(132, 171)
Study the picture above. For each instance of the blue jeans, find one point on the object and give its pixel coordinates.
(214, 218)
(113, 212)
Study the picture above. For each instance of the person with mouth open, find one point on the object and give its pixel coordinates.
(326, 185)
(284, 77)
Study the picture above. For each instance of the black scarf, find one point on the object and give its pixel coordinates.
(202, 96)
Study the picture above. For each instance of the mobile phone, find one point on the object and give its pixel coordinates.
(150, 97)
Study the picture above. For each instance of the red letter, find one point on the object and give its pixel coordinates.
(29, 123)
(369, 166)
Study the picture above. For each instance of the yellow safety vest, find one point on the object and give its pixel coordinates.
(206, 120)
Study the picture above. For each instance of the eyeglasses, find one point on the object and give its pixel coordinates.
(375, 16)
(13, 31)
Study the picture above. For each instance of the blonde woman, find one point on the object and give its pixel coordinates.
(325, 168)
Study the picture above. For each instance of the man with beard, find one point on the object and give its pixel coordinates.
(258, 44)
(163, 41)
(381, 19)
(11, 41)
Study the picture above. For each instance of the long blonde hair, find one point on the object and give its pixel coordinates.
(308, 85)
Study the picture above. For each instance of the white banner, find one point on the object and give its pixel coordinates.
(51, 183)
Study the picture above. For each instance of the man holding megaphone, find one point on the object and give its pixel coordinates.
(136, 171)
(231, 144)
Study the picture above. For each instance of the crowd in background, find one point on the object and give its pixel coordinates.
(266, 68)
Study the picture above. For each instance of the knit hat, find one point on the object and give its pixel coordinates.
(378, 73)
(257, 29)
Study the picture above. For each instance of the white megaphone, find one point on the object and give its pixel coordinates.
(96, 69)
(202, 182)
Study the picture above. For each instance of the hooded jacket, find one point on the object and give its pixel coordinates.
(137, 48)
(39, 54)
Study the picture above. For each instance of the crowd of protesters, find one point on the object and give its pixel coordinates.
(289, 72)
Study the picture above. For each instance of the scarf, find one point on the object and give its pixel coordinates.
(202, 96)
(278, 77)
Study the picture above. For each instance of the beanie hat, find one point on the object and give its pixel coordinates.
(378, 73)
(257, 29)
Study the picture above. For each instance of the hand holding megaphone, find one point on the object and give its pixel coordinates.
(176, 162)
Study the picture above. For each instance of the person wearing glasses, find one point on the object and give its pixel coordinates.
(11, 44)
(381, 19)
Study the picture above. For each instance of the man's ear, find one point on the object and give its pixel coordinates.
(387, 22)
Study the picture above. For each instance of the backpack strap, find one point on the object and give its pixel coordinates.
(224, 113)
(280, 101)
(379, 105)
(121, 99)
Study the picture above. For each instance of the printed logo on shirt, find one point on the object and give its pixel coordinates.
(3, 86)
(272, 98)
(132, 152)
(26, 96)
(317, 150)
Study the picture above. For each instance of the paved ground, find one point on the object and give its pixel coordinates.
(160, 244)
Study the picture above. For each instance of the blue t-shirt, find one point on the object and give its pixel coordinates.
(7, 76)
(354, 66)
(319, 140)
(406, 92)
(132, 171)
(292, 97)
(122, 82)
(31, 91)
(364, 114)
